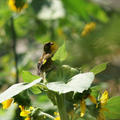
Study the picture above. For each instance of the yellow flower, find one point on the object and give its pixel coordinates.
(57, 118)
(21, 107)
(104, 98)
(27, 118)
(31, 108)
(17, 5)
(103, 101)
(82, 107)
(25, 113)
(88, 28)
(6, 104)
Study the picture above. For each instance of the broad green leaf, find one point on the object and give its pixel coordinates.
(99, 68)
(69, 71)
(62, 73)
(113, 107)
(78, 83)
(29, 77)
(16, 89)
(58, 87)
(61, 54)
(35, 89)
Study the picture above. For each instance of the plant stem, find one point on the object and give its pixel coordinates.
(61, 107)
(47, 115)
(13, 35)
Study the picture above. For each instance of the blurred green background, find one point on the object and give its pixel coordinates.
(61, 21)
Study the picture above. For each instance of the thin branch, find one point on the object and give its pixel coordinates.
(47, 115)
(13, 35)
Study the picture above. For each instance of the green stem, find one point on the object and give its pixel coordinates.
(47, 115)
(61, 107)
(13, 34)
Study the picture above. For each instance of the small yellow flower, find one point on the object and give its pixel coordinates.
(6, 104)
(21, 107)
(25, 113)
(83, 104)
(57, 118)
(31, 108)
(103, 101)
(104, 98)
(88, 28)
(17, 5)
(82, 107)
(27, 118)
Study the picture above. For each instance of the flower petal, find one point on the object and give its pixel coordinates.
(6, 104)
(104, 98)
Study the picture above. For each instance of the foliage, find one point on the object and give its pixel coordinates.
(86, 33)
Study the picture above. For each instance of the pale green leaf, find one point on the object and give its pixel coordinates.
(99, 68)
(113, 108)
(78, 83)
(16, 89)
(61, 54)
(28, 76)
(35, 89)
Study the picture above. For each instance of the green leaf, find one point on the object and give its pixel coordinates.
(35, 89)
(78, 83)
(61, 54)
(28, 76)
(69, 71)
(113, 107)
(16, 89)
(99, 68)
(62, 73)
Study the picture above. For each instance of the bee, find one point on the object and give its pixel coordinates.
(45, 62)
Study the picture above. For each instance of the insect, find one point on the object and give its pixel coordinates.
(45, 62)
